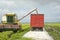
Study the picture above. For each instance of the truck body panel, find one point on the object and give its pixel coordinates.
(37, 20)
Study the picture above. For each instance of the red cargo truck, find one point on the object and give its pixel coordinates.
(37, 21)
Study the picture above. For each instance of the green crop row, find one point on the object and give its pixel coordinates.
(7, 35)
(54, 30)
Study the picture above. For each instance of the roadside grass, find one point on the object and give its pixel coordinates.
(16, 36)
(53, 29)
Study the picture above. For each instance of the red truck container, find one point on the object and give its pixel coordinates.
(37, 21)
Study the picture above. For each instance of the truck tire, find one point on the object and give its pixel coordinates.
(15, 31)
(1, 30)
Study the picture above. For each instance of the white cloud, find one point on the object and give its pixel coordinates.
(4, 11)
(8, 3)
(58, 17)
(51, 8)
(0, 9)
(57, 7)
(52, 19)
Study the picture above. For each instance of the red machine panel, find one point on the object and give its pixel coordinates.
(37, 20)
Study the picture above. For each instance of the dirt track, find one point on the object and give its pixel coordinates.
(38, 35)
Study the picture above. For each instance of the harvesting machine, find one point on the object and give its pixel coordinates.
(11, 22)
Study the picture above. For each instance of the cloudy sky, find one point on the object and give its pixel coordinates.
(50, 8)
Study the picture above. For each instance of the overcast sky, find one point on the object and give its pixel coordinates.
(50, 8)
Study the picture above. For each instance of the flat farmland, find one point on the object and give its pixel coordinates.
(52, 28)
(9, 35)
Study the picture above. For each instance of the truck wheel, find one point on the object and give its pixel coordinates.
(15, 31)
(32, 29)
(1, 30)
(41, 29)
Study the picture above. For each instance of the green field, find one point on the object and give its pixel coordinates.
(52, 28)
(9, 35)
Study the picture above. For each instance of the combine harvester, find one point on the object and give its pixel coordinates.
(11, 22)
